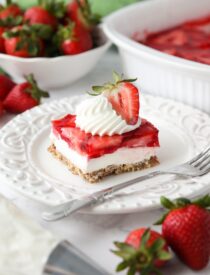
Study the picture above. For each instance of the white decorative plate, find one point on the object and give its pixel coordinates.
(30, 169)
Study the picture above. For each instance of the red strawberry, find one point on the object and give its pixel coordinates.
(46, 13)
(144, 251)
(2, 41)
(123, 96)
(23, 41)
(1, 108)
(79, 11)
(24, 96)
(10, 11)
(38, 15)
(6, 85)
(73, 39)
(186, 228)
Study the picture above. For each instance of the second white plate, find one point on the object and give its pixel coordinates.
(30, 169)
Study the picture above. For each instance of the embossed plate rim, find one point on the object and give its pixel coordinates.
(41, 190)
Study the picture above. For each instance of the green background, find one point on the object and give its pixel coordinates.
(102, 7)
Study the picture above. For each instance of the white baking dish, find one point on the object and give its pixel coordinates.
(159, 73)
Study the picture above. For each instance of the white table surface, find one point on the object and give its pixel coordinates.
(93, 234)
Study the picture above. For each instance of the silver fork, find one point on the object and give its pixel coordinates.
(196, 167)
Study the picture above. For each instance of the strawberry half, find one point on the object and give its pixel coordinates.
(24, 96)
(123, 96)
(144, 251)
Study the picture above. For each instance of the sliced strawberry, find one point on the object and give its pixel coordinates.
(125, 101)
(103, 145)
(66, 121)
(94, 146)
(123, 96)
(144, 136)
(76, 139)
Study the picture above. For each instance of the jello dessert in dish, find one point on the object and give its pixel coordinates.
(106, 135)
(190, 40)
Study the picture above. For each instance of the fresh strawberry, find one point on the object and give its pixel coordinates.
(47, 13)
(24, 96)
(73, 39)
(38, 15)
(123, 96)
(79, 11)
(23, 41)
(9, 11)
(6, 85)
(2, 41)
(1, 108)
(144, 251)
(186, 228)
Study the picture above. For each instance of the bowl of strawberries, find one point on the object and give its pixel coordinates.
(58, 43)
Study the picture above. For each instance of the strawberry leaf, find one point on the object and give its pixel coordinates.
(121, 266)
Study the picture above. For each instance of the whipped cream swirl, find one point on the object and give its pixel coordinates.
(96, 116)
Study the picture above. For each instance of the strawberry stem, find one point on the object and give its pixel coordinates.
(35, 91)
(203, 202)
(142, 258)
(97, 90)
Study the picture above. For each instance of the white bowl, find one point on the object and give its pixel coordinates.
(56, 72)
(159, 73)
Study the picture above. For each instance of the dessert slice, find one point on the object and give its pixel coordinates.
(106, 135)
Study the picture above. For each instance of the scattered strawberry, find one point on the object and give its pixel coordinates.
(24, 96)
(186, 228)
(23, 41)
(79, 11)
(9, 11)
(144, 251)
(6, 85)
(123, 96)
(73, 39)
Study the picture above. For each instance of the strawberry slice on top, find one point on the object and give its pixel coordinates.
(123, 96)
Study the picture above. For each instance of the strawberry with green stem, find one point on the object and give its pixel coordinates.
(47, 12)
(24, 96)
(144, 251)
(26, 41)
(123, 96)
(80, 12)
(186, 228)
(9, 11)
(73, 39)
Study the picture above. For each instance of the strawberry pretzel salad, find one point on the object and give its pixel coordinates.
(106, 135)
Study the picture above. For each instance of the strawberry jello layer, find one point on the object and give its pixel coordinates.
(190, 40)
(93, 152)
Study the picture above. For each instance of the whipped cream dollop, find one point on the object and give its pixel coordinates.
(95, 115)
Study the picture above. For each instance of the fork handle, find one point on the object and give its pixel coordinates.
(70, 207)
